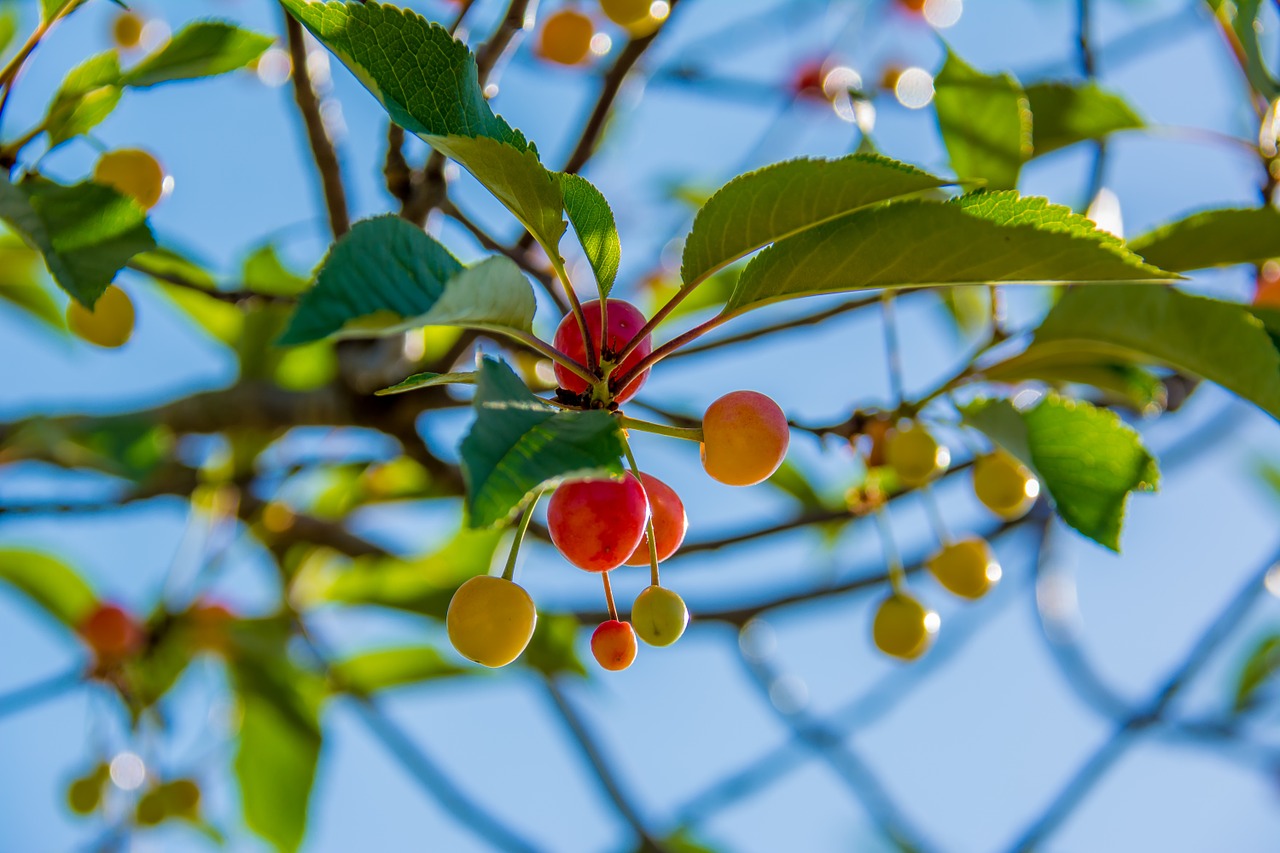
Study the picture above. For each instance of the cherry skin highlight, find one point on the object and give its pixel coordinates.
(597, 524)
(744, 438)
(614, 645)
(669, 522)
(625, 320)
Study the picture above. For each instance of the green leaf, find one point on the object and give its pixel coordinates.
(86, 232)
(593, 222)
(8, 26)
(1119, 380)
(1219, 341)
(201, 49)
(552, 650)
(1242, 18)
(51, 9)
(1213, 238)
(87, 96)
(785, 199)
(50, 583)
(22, 285)
(980, 238)
(1259, 668)
(264, 273)
(985, 122)
(428, 380)
(1066, 113)
(279, 746)
(428, 83)
(1087, 458)
(387, 668)
(518, 444)
(163, 264)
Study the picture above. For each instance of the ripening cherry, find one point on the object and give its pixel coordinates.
(916, 455)
(669, 522)
(744, 438)
(1267, 292)
(491, 620)
(181, 798)
(903, 627)
(625, 13)
(126, 31)
(807, 80)
(84, 794)
(625, 320)
(112, 633)
(565, 37)
(966, 567)
(131, 172)
(1004, 485)
(210, 623)
(659, 616)
(614, 645)
(597, 524)
(150, 809)
(914, 7)
(109, 324)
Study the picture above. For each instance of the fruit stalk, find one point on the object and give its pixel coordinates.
(668, 348)
(686, 433)
(648, 527)
(509, 572)
(897, 575)
(608, 597)
(576, 307)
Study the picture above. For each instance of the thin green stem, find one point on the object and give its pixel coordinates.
(897, 575)
(536, 343)
(648, 522)
(588, 345)
(686, 433)
(893, 353)
(608, 597)
(509, 572)
(936, 521)
(654, 321)
(669, 347)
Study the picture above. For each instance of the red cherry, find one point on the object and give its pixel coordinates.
(806, 82)
(614, 645)
(597, 524)
(625, 320)
(669, 521)
(112, 633)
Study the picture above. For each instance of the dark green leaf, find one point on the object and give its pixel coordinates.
(1213, 238)
(1066, 113)
(428, 380)
(593, 222)
(785, 199)
(552, 649)
(518, 444)
(1219, 341)
(1259, 668)
(202, 49)
(983, 237)
(387, 668)
(1086, 457)
(86, 232)
(50, 583)
(985, 123)
(87, 96)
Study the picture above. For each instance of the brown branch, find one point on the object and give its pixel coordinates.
(322, 150)
(491, 51)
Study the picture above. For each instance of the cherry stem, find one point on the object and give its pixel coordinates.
(686, 433)
(648, 522)
(897, 575)
(660, 315)
(608, 597)
(936, 521)
(893, 353)
(509, 572)
(669, 347)
(536, 343)
(588, 345)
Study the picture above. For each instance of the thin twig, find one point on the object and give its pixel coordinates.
(322, 148)
(23, 698)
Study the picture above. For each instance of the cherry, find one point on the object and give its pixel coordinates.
(659, 616)
(614, 645)
(669, 522)
(744, 438)
(903, 628)
(109, 324)
(84, 794)
(112, 633)
(1004, 485)
(126, 30)
(807, 80)
(131, 172)
(181, 798)
(916, 455)
(966, 567)
(151, 808)
(625, 13)
(597, 524)
(491, 620)
(1267, 292)
(625, 320)
(209, 622)
(566, 37)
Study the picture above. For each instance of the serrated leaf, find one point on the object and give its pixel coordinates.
(86, 232)
(50, 583)
(201, 49)
(1066, 113)
(518, 445)
(1258, 669)
(370, 672)
(1219, 341)
(980, 238)
(593, 222)
(428, 83)
(428, 380)
(785, 199)
(1213, 238)
(552, 650)
(1087, 458)
(985, 123)
(87, 95)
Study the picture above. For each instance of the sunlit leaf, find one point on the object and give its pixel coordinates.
(384, 669)
(1259, 668)
(50, 583)
(200, 49)
(1213, 238)
(1066, 113)
(428, 380)
(985, 123)
(87, 95)
(593, 222)
(553, 648)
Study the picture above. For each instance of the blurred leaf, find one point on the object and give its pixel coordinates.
(786, 199)
(126, 447)
(1219, 341)
(1241, 17)
(306, 367)
(1259, 668)
(87, 96)
(164, 264)
(593, 222)
(264, 273)
(985, 123)
(1213, 238)
(790, 480)
(50, 583)
(428, 83)
(519, 444)
(148, 677)
(1138, 388)
(22, 282)
(86, 232)
(1066, 113)
(8, 26)
(50, 9)
(969, 307)
(201, 49)
(1087, 458)
(428, 380)
(978, 238)
(222, 320)
(1269, 471)
(278, 748)
(552, 649)
(387, 668)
